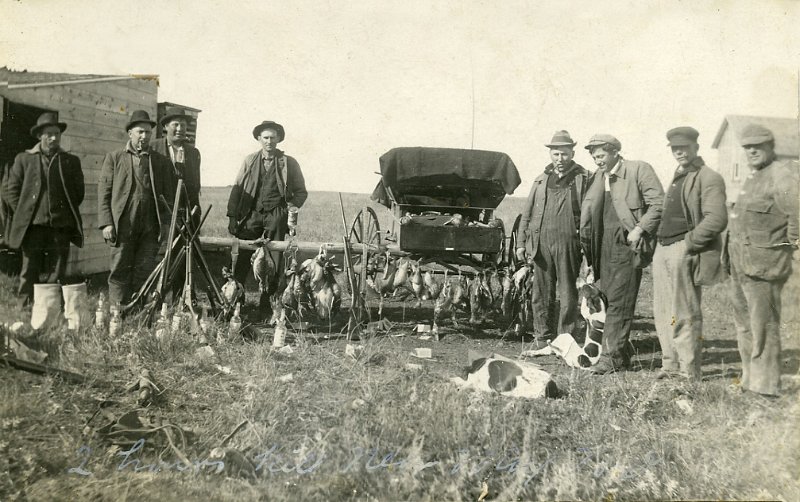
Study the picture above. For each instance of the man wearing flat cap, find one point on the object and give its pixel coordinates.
(687, 257)
(130, 212)
(268, 186)
(762, 237)
(619, 218)
(45, 190)
(185, 161)
(549, 229)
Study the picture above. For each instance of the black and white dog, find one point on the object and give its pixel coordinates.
(593, 306)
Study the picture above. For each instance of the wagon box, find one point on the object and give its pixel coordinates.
(443, 199)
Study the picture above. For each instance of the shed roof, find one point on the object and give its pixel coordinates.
(785, 130)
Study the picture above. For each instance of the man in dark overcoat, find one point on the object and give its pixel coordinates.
(45, 189)
(130, 211)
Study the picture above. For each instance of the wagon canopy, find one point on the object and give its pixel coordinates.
(445, 177)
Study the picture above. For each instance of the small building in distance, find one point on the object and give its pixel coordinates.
(96, 109)
(731, 159)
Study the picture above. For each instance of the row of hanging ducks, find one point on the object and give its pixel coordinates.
(505, 291)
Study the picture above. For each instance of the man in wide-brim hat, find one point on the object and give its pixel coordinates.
(268, 187)
(130, 215)
(763, 236)
(185, 160)
(45, 190)
(549, 237)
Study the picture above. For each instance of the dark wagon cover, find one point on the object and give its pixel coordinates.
(427, 187)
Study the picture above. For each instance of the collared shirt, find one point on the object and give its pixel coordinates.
(612, 172)
(141, 170)
(176, 154)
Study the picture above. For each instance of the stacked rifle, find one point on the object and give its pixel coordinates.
(183, 250)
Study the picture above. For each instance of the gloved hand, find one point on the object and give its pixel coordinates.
(520, 254)
(233, 228)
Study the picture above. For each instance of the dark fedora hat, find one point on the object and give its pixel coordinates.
(176, 113)
(561, 138)
(47, 119)
(138, 117)
(268, 124)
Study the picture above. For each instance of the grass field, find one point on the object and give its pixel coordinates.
(371, 428)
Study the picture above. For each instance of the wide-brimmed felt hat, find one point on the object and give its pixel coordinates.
(754, 134)
(175, 113)
(47, 119)
(268, 124)
(560, 138)
(603, 139)
(139, 117)
(682, 136)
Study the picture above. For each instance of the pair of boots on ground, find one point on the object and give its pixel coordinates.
(47, 304)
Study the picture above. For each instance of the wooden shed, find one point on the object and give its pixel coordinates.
(96, 109)
(731, 160)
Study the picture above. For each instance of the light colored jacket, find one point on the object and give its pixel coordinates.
(637, 196)
(764, 222)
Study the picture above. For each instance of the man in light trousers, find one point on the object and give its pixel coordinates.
(687, 256)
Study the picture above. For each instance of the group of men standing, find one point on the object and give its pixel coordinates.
(137, 186)
(619, 219)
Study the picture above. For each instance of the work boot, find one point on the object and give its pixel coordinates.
(607, 365)
(46, 304)
(75, 298)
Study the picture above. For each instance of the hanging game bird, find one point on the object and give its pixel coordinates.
(263, 267)
(232, 290)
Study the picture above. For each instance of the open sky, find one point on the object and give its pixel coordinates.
(350, 80)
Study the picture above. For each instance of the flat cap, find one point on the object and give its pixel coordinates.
(561, 138)
(682, 136)
(754, 134)
(603, 139)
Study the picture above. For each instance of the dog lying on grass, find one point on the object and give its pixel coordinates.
(497, 374)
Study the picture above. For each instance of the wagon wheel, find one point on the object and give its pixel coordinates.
(496, 259)
(364, 230)
(512, 244)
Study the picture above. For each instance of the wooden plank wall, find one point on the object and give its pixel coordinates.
(96, 114)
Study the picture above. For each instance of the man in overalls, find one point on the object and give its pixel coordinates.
(549, 228)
